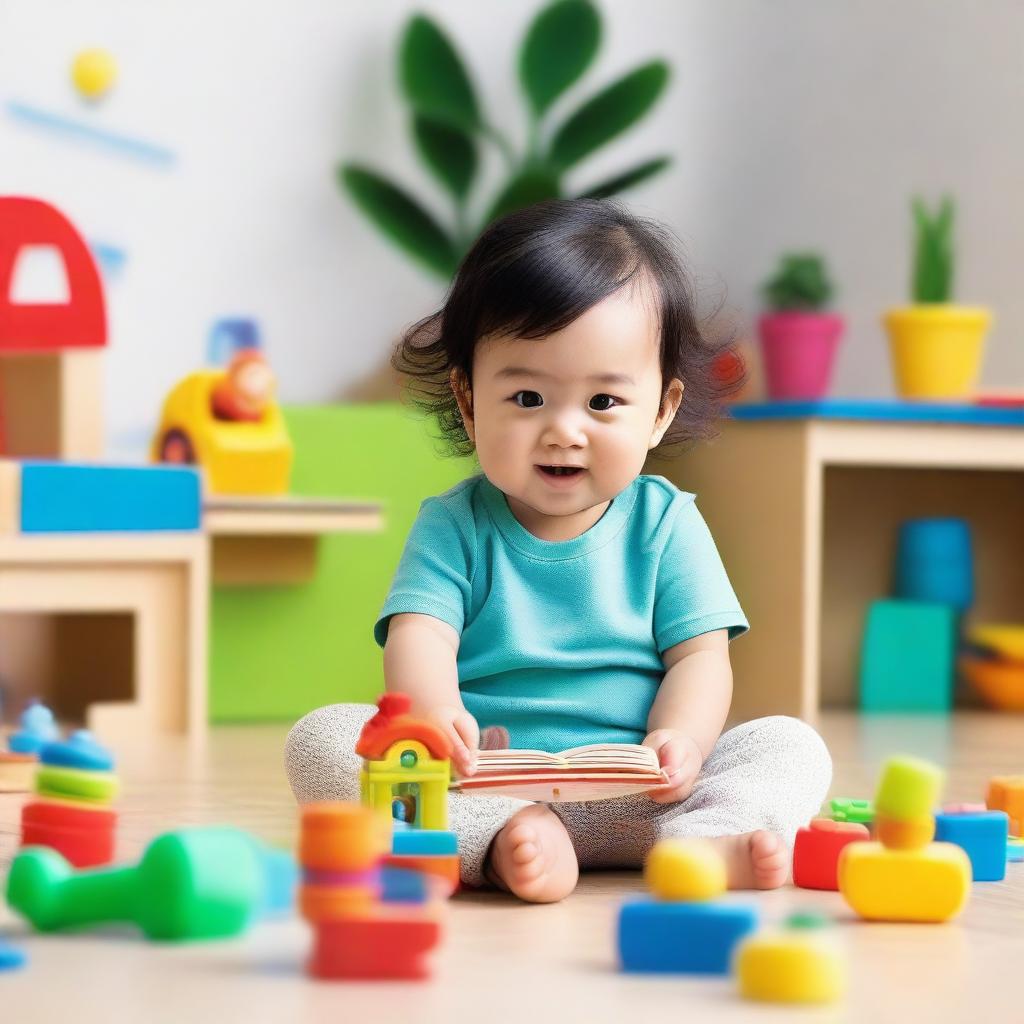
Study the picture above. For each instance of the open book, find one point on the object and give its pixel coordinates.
(599, 771)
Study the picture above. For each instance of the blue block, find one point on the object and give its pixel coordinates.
(421, 842)
(1014, 853)
(399, 885)
(935, 562)
(983, 835)
(681, 938)
(58, 497)
(280, 880)
(79, 751)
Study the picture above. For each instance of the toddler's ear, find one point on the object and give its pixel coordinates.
(667, 413)
(464, 396)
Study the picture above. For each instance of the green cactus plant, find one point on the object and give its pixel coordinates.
(933, 252)
(448, 128)
(800, 283)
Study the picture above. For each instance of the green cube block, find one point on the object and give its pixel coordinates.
(908, 656)
(909, 788)
(846, 809)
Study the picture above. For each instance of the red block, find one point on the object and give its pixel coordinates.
(84, 835)
(374, 947)
(817, 848)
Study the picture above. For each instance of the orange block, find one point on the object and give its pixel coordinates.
(1006, 793)
(442, 866)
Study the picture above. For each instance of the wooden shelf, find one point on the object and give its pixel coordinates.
(274, 541)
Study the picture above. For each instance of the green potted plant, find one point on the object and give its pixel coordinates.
(936, 346)
(798, 338)
(450, 128)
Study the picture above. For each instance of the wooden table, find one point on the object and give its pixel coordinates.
(805, 512)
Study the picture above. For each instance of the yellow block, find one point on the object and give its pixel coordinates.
(927, 885)
(685, 869)
(791, 967)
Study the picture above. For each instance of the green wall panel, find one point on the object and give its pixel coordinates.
(278, 652)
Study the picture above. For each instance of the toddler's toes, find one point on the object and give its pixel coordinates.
(769, 860)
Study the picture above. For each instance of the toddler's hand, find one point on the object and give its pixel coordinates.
(682, 760)
(461, 728)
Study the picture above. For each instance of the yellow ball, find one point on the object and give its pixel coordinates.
(94, 73)
(685, 869)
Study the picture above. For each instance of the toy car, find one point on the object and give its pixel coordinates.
(240, 456)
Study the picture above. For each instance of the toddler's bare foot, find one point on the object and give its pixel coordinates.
(754, 860)
(533, 856)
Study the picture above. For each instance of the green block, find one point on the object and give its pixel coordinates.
(279, 652)
(860, 811)
(907, 657)
(909, 788)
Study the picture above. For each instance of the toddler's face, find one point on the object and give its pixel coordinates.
(586, 397)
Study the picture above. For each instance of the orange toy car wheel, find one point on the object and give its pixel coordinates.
(176, 447)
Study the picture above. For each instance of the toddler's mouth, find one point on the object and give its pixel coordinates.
(561, 470)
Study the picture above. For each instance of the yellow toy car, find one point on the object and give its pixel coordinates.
(242, 449)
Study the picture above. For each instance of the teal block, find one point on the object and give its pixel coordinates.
(907, 656)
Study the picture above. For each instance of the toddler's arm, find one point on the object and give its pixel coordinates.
(687, 716)
(420, 660)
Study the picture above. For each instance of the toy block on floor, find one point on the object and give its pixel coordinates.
(907, 657)
(926, 885)
(801, 963)
(1006, 793)
(682, 930)
(817, 848)
(1014, 850)
(58, 497)
(904, 876)
(983, 836)
(200, 883)
(862, 812)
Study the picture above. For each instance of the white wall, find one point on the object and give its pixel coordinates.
(794, 123)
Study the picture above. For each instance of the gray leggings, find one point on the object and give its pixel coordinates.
(772, 773)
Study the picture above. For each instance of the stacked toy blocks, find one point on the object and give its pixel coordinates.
(75, 785)
(817, 849)
(904, 876)
(407, 767)
(909, 645)
(356, 933)
(683, 929)
(800, 963)
(18, 762)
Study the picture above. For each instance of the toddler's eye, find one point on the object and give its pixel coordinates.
(528, 399)
(602, 403)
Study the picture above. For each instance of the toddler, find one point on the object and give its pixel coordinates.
(562, 597)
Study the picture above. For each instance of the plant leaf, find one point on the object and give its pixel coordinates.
(610, 112)
(400, 218)
(559, 46)
(627, 179)
(433, 77)
(448, 152)
(530, 186)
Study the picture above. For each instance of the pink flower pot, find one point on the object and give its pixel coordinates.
(798, 350)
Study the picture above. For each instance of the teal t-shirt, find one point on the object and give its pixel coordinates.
(561, 641)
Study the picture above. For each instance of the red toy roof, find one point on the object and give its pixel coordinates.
(81, 322)
(393, 723)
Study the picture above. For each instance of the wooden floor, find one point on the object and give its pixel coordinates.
(504, 961)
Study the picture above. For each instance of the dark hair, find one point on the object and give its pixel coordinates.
(537, 270)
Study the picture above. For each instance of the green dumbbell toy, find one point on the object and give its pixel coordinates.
(200, 883)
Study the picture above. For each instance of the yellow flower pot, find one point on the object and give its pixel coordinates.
(936, 349)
